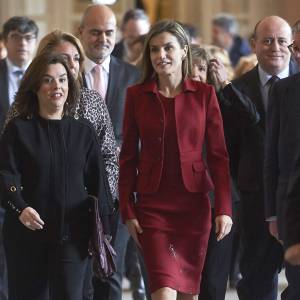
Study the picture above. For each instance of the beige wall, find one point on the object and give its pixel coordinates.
(65, 14)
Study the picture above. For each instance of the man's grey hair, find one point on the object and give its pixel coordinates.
(227, 22)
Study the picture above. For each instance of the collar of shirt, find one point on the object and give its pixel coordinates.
(89, 65)
(13, 81)
(264, 76)
(264, 87)
(12, 68)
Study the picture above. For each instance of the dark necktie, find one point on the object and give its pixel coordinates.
(271, 83)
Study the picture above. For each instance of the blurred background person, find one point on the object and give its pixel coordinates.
(20, 37)
(193, 32)
(222, 56)
(3, 51)
(245, 64)
(136, 52)
(294, 47)
(235, 107)
(135, 22)
(225, 35)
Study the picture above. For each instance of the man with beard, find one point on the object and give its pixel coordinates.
(110, 77)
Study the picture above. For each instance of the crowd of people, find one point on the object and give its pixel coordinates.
(191, 150)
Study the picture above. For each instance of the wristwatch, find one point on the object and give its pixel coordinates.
(225, 82)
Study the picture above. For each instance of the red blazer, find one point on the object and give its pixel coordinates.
(198, 121)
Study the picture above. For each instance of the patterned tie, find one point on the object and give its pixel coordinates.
(98, 84)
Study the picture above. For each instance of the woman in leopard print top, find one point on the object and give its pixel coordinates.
(91, 105)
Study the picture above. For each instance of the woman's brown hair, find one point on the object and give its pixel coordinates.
(176, 30)
(50, 41)
(26, 98)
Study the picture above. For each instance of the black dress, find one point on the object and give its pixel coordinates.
(51, 166)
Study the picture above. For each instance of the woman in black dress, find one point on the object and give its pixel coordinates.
(49, 163)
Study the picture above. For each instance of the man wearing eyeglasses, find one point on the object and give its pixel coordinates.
(20, 38)
(295, 46)
(282, 147)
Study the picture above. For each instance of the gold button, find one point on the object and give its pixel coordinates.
(13, 189)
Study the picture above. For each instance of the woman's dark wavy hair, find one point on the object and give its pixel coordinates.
(26, 98)
(175, 29)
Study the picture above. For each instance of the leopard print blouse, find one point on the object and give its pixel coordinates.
(92, 107)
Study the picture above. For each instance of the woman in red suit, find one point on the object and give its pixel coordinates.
(164, 181)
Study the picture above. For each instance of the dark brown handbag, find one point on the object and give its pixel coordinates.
(99, 247)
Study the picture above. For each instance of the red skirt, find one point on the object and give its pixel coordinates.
(176, 226)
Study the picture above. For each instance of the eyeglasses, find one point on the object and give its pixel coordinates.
(294, 49)
(16, 37)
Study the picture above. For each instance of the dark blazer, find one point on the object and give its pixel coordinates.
(198, 120)
(250, 146)
(252, 139)
(4, 101)
(290, 217)
(282, 143)
(121, 76)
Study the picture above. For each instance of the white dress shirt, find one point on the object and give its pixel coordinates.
(89, 66)
(264, 86)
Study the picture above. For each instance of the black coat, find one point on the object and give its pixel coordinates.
(52, 166)
(282, 146)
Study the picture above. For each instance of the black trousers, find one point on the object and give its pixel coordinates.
(3, 272)
(216, 267)
(43, 271)
(262, 255)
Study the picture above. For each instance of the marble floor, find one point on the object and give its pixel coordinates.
(230, 294)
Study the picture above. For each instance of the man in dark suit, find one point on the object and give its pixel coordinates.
(282, 144)
(134, 24)
(111, 77)
(262, 255)
(20, 36)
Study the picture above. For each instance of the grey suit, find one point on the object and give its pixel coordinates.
(121, 76)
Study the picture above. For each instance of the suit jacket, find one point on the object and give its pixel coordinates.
(198, 120)
(282, 143)
(121, 76)
(291, 213)
(252, 139)
(4, 100)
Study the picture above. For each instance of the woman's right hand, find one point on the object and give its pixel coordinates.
(134, 229)
(30, 218)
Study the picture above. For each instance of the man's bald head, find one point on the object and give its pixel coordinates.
(98, 32)
(98, 11)
(271, 37)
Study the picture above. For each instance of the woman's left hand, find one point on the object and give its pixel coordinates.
(223, 226)
(218, 70)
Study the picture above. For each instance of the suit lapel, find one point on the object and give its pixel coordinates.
(112, 80)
